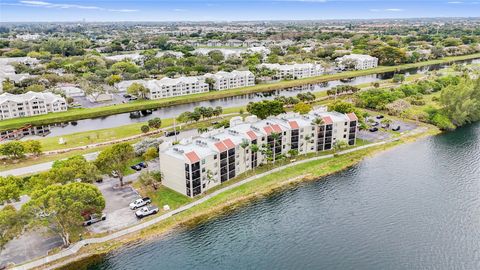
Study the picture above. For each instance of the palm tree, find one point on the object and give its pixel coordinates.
(244, 145)
(317, 122)
(275, 136)
(254, 148)
(339, 145)
(307, 138)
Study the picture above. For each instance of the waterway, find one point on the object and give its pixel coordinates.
(237, 101)
(416, 206)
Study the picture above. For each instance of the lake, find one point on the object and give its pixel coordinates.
(416, 206)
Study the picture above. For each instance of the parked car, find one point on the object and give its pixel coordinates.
(114, 174)
(380, 116)
(127, 96)
(397, 128)
(146, 211)
(143, 164)
(171, 133)
(136, 167)
(94, 218)
(139, 203)
(373, 129)
(374, 124)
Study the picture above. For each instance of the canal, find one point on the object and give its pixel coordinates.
(173, 111)
(416, 206)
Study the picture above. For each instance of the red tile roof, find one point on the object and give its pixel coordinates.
(293, 124)
(192, 156)
(268, 130)
(229, 143)
(252, 135)
(277, 128)
(328, 120)
(352, 116)
(220, 146)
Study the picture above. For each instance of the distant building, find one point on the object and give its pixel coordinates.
(70, 90)
(228, 80)
(295, 71)
(203, 162)
(30, 104)
(357, 61)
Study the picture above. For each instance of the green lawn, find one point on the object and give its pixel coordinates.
(76, 114)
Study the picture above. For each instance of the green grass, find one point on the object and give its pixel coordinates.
(77, 114)
(163, 196)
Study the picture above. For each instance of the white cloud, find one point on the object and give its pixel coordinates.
(387, 9)
(394, 9)
(179, 10)
(43, 4)
(455, 2)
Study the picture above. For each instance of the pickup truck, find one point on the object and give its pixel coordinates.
(146, 211)
(139, 203)
(94, 218)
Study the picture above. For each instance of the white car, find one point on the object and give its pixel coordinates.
(94, 218)
(139, 203)
(146, 211)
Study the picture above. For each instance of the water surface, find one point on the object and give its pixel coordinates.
(416, 206)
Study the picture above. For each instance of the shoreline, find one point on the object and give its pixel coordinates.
(275, 180)
(85, 113)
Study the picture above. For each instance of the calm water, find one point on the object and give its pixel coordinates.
(174, 111)
(414, 207)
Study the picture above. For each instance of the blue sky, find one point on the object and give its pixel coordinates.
(230, 10)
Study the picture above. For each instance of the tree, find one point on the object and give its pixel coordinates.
(72, 169)
(113, 79)
(217, 111)
(339, 145)
(398, 78)
(138, 90)
(92, 89)
(201, 130)
(461, 102)
(155, 122)
(151, 153)
(265, 108)
(115, 159)
(33, 146)
(317, 122)
(388, 55)
(9, 188)
(14, 150)
(150, 179)
(275, 137)
(302, 108)
(341, 107)
(60, 207)
(11, 225)
(244, 145)
(145, 128)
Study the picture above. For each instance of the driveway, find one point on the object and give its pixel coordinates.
(118, 213)
(29, 246)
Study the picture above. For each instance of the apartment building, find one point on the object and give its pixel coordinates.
(168, 87)
(295, 71)
(356, 61)
(227, 80)
(200, 163)
(30, 104)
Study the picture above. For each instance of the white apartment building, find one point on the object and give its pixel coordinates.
(202, 162)
(227, 80)
(357, 61)
(295, 71)
(30, 104)
(168, 87)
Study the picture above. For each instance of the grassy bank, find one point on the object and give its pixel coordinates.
(229, 200)
(77, 114)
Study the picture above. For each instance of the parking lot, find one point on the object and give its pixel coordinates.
(383, 134)
(117, 200)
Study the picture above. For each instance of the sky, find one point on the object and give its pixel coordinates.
(229, 10)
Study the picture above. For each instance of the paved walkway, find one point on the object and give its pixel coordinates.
(77, 246)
